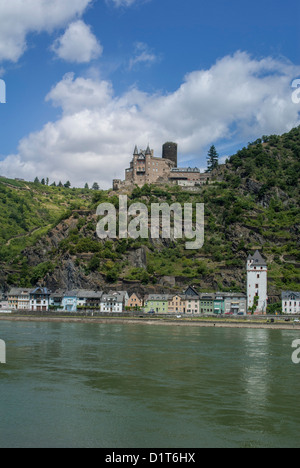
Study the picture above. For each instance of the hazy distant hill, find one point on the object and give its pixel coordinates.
(47, 234)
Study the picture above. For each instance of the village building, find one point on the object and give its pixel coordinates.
(112, 303)
(19, 299)
(177, 304)
(157, 303)
(235, 303)
(88, 299)
(192, 305)
(257, 282)
(290, 302)
(56, 299)
(69, 301)
(206, 303)
(39, 299)
(219, 304)
(134, 302)
(124, 294)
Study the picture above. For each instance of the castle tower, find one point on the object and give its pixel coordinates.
(170, 152)
(257, 283)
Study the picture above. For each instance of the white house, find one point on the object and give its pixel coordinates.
(124, 294)
(257, 283)
(114, 303)
(39, 299)
(290, 302)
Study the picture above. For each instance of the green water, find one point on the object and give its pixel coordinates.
(137, 386)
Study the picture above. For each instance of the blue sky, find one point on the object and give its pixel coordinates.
(87, 80)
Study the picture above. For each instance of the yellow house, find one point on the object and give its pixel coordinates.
(134, 302)
(177, 305)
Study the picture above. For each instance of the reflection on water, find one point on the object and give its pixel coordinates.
(71, 385)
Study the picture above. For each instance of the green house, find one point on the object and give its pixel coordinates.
(219, 304)
(157, 304)
(207, 305)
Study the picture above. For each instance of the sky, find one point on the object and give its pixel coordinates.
(87, 80)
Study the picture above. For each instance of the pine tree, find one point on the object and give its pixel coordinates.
(95, 186)
(212, 159)
(86, 186)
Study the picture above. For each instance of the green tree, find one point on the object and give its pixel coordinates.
(95, 186)
(67, 184)
(212, 159)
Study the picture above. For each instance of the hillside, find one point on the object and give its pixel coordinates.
(48, 234)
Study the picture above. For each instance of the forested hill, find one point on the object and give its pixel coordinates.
(48, 234)
(272, 161)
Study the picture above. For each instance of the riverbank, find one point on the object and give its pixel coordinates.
(190, 322)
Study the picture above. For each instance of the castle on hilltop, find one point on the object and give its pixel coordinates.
(145, 168)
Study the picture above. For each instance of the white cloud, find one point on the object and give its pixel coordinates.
(126, 3)
(143, 54)
(237, 99)
(78, 44)
(19, 17)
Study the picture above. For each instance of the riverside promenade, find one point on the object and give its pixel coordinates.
(276, 323)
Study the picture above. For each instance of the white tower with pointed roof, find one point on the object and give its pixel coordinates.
(257, 283)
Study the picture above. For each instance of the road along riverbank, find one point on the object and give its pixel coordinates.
(190, 322)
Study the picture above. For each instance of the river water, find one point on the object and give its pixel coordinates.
(142, 386)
